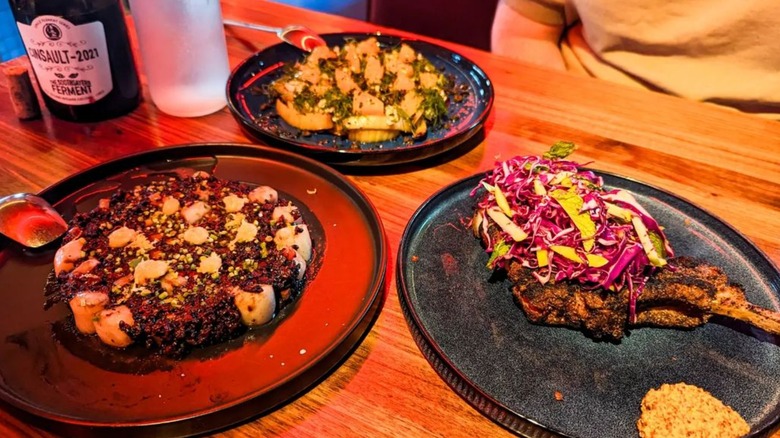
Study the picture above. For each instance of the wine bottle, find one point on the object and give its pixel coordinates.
(80, 53)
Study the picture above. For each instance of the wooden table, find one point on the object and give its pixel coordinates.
(724, 161)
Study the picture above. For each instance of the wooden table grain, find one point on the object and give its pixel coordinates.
(724, 161)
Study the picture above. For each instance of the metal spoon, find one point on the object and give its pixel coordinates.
(30, 220)
(299, 36)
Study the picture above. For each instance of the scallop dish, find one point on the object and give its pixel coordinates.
(181, 263)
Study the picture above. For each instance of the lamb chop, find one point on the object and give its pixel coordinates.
(683, 296)
(584, 256)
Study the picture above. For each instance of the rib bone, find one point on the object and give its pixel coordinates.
(684, 295)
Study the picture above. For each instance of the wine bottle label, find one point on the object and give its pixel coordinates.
(70, 61)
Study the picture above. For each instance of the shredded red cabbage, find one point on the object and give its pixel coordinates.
(544, 219)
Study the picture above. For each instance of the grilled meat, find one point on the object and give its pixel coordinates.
(684, 295)
(585, 256)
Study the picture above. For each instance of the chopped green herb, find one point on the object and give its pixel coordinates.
(499, 250)
(560, 150)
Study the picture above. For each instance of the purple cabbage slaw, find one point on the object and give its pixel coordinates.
(545, 221)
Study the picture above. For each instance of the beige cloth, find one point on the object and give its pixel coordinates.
(720, 51)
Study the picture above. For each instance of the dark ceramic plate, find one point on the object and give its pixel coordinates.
(250, 106)
(74, 383)
(480, 343)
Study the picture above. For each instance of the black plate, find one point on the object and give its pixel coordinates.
(80, 386)
(250, 106)
(481, 344)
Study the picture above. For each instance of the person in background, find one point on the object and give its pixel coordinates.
(725, 52)
(10, 42)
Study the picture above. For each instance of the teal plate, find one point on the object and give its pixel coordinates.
(480, 343)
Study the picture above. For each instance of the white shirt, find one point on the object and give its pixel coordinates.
(720, 51)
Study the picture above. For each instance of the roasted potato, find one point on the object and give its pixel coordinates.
(363, 91)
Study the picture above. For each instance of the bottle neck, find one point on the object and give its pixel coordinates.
(75, 11)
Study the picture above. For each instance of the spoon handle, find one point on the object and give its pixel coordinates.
(254, 26)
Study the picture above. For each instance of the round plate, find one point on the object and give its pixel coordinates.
(82, 386)
(480, 343)
(256, 114)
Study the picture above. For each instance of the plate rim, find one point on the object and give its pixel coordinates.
(448, 371)
(340, 157)
(249, 405)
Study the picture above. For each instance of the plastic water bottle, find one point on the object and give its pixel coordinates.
(184, 55)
